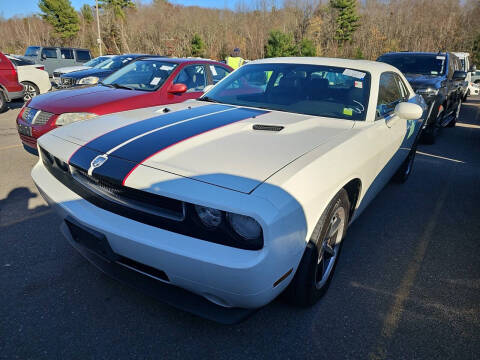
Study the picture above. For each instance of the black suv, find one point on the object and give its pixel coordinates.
(438, 78)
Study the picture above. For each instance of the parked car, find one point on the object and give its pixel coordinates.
(143, 83)
(474, 89)
(10, 87)
(238, 195)
(34, 80)
(54, 57)
(476, 76)
(435, 76)
(89, 64)
(94, 75)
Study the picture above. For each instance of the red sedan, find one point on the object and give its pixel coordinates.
(143, 83)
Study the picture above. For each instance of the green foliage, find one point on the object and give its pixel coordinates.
(280, 44)
(197, 46)
(86, 12)
(117, 6)
(359, 54)
(476, 51)
(346, 20)
(223, 52)
(307, 48)
(62, 16)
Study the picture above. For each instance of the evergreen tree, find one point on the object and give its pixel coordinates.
(197, 46)
(62, 16)
(280, 44)
(117, 6)
(307, 48)
(347, 19)
(86, 12)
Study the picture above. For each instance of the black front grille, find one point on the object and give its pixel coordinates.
(67, 81)
(147, 208)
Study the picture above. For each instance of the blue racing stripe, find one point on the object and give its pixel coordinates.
(106, 142)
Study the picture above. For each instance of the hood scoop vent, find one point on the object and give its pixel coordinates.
(267, 127)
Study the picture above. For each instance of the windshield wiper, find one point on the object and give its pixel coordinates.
(118, 86)
(209, 99)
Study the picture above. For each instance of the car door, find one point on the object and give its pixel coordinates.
(394, 134)
(50, 59)
(66, 57)
(195, 79)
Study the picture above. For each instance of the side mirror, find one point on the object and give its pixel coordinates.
(408, 111)
(177, 89)
(459, 75)
(43, 56)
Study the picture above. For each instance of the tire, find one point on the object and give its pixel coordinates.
(3, 102)
(318, 262)
(31, 90)
(453, 122)
(429, 135)
(404, 171)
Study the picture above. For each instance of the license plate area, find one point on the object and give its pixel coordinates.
(91, 239)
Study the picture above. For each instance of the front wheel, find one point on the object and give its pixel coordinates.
(316, 268)
(31, 90)
(3, 102)
(453, 122)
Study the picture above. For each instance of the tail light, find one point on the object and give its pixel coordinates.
(41, 67)
(14, 74)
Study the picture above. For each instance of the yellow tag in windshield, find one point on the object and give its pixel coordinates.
(348, 111)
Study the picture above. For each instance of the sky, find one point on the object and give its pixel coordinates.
(10, 8)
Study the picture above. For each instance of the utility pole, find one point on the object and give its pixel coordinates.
(99, 39)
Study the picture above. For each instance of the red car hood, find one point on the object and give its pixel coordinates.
(88, 99)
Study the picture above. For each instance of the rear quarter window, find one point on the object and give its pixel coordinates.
(66, 53)
(83, 55)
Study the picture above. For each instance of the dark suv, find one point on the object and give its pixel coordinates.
(438, 78)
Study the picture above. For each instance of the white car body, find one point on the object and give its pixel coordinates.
(474, 89)
(284, 180)
(32, 74)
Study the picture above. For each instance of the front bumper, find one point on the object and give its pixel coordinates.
(29, 133)
(229, 277)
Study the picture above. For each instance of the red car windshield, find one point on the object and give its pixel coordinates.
(147, 75)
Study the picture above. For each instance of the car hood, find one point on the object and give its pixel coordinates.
(83, 99)
(212, 143)
(101, 73)
(69, 69)
(418, 81)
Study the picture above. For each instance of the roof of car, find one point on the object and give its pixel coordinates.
(182, 60)
(364, 65)
(416, 53)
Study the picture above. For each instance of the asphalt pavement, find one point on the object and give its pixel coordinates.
(407, 285)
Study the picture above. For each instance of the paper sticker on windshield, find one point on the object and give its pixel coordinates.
(354, 73)
(348, 111)
(166, 67)
(434, 72)
(212, 69)
(125, 60)
(358, 84)
(155, 81)
(441, 57)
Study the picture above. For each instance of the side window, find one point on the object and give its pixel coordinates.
(82, 55)
(66, 53)
(403, 88)
(49, 53)
(218, 73)
(451, 68)
(389, 95)
(193, 77)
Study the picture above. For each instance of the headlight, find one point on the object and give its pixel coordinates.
(68, 118)
(427, 91)
(209, 217)
(245, 226)
(88, 80)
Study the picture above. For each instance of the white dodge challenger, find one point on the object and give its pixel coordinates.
(220, 204)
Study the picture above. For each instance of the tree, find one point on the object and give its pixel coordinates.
(280, 44)
(307, 48)
(62, 16)
(476, 51)
(86, 12)
(346, 20)
(197, 46)
(117, 6)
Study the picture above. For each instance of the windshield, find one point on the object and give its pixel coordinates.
(32, 51)
(146, 75)
(96, 61)
(305, 89)
(114, 63)
(422, 64)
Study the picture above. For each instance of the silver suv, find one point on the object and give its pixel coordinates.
(55, 57)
